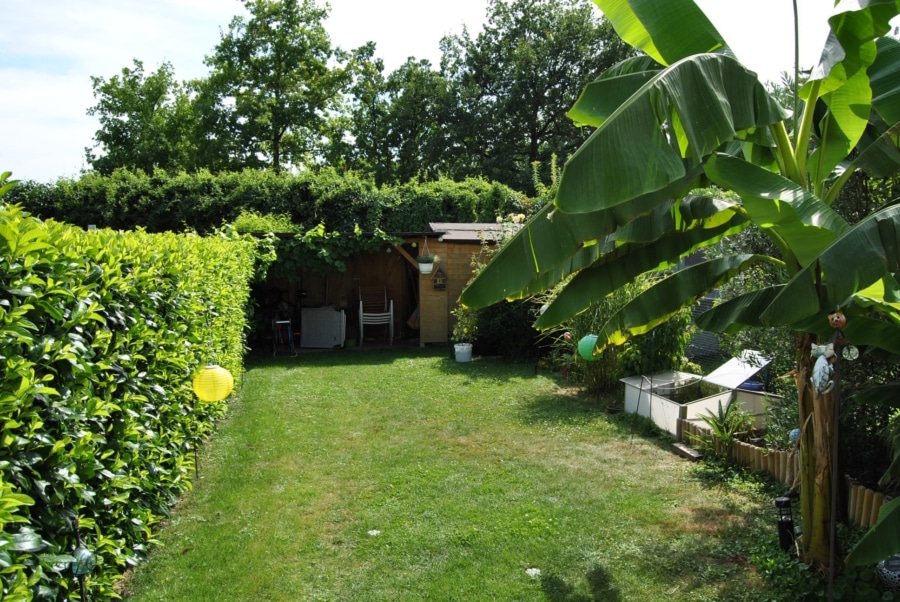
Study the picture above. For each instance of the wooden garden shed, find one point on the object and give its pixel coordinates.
(419, 300)
(455, 244)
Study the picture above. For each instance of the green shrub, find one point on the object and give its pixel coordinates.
(100, 334)
(660, 349)
(202, 201)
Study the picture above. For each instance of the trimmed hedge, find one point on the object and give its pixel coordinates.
(100, 334)
(164, 202)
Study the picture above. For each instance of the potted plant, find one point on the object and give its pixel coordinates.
(426, 262)
(465, 331)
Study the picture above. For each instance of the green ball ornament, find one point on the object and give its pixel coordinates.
(586, 348)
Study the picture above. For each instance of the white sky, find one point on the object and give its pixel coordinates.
(50, 48)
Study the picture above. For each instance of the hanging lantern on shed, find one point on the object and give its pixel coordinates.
(213, 383)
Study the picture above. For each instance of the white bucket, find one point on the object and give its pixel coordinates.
(463, 352)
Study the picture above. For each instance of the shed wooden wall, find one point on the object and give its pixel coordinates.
(436, 305)
(341, 289)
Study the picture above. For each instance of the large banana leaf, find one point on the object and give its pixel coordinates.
(856, 260)
(884, 78)
(862, 330)
(736, 314)
(882, 296)
(554, 244)
(850, 46)
(603, 96)
(648, 26)
(798, 222)
(669, 124)
(877, 153)
(659, 302)
(842, 126)
(649, 250)
(882, 540)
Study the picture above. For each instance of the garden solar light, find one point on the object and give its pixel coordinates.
(785, 522)
(84, 561)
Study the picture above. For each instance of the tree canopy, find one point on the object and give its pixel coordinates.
(279, 95)
(146, 121)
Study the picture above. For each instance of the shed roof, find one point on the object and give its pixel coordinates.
(468, 232)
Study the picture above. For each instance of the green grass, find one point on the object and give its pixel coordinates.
(402, 475)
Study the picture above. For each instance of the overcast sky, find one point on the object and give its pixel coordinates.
(50, 48)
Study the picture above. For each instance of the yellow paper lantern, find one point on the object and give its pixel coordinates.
(213, 383)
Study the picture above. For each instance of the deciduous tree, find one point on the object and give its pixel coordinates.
(274, 78)
(146, 121)
(513, 83)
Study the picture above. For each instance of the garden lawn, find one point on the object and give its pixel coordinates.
(402, 475)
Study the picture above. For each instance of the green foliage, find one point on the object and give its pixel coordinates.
(465, 328)
(249, 220)
(729, 424)
(511, 85)
(100, 334)
(892, 435)
(662, 348)
(323, 251)
(781, 419)
(282, 76)
(792, 579)
(146, 122)
(204, 201)
(505, 328)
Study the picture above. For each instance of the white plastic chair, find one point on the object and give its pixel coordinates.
(375, 308)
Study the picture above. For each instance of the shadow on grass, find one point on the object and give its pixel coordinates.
(715, 555)
(600, 584)
(563, 407)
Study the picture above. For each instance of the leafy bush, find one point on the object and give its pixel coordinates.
(505, 328)
(164, 202)
(100, 333)
(252, 221)
(660, 349)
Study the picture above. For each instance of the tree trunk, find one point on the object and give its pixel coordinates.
(816, 438)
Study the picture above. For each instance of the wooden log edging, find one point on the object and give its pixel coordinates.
(863, 504)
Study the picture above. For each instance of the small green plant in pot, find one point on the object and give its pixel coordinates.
(426, 262)
(465, 330)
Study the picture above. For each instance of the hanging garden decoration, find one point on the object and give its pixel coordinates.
(213, 383)
(837, 319)
(586, 348)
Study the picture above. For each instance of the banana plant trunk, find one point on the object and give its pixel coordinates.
(816, 458)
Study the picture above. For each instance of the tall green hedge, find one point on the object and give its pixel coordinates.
(100, 335)
(164, 202)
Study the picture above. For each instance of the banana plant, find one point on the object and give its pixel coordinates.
(688, 118)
